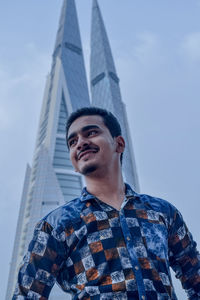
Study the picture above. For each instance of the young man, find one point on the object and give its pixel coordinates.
(110, 243)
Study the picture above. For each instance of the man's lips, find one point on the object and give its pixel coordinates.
(84, 152)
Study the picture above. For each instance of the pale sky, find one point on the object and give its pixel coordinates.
(156, 48)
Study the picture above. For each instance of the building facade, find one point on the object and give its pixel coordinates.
(105, 90)
(51, 181)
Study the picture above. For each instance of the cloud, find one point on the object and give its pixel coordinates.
(21, 85)
(4, 121)
(191, 47)
(146, 46)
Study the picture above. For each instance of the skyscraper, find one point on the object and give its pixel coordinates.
(105, 89)
(51, 180)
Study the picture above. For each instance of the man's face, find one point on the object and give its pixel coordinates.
(91, 145)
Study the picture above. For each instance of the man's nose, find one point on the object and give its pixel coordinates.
(82, 142)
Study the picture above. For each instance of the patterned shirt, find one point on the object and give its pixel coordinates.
(95, 252)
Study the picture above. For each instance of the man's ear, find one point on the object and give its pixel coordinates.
(120, 144)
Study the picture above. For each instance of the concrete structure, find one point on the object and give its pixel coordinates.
(51, 181)
(105, 88)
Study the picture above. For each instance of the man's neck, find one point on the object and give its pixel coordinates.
(108, 188)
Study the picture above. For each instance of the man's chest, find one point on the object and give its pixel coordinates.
(115, 239)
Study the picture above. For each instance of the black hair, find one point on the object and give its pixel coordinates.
(110, 121)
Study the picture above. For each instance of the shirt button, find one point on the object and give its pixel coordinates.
(136, 268)
(128, 238)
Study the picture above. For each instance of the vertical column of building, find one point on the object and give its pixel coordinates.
(51, 181)
(105, 90)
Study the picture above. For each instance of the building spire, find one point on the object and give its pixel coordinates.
(68, 48)
(68, 34)
(100, 47)
(95, 4)
(105, 90)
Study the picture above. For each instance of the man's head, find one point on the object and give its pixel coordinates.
(87, 129)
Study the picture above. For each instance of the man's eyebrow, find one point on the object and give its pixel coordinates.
(85, 128)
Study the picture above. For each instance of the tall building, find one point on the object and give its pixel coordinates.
(105, 90)
(51, 180)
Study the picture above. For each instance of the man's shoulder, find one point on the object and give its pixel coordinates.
(64, 215)
(158, 204)
(152, 203)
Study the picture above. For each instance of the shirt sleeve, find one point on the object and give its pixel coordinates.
(41, 264)
(184, 257)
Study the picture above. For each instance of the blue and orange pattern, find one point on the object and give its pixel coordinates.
(95, 252)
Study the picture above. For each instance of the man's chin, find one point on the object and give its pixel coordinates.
(87, 170)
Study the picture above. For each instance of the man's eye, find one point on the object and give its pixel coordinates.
(92, 132)
(72, 142)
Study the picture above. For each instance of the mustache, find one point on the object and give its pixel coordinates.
(95, 148)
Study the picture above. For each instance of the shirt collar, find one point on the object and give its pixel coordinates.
(129, 193)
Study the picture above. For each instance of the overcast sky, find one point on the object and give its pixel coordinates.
(156, 48)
